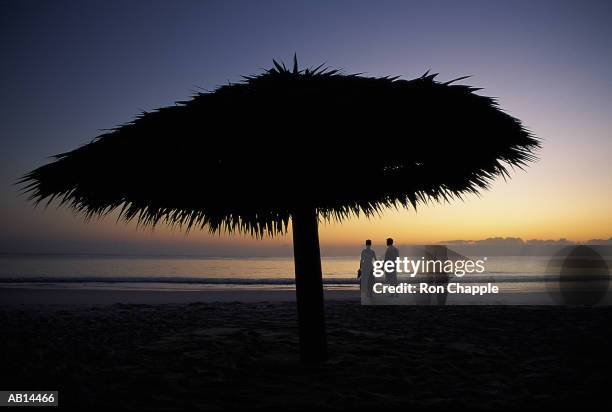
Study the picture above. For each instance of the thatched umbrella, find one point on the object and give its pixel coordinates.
(299, 145)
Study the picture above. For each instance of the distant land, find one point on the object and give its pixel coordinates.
(514, 246)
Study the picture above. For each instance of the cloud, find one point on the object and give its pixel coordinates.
(600, 241)
(501, 241)
(493, 241)
(515, 246)
(540, 242)
(517, 241)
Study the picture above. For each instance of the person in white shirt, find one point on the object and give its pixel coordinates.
(366, 268)
(391, 254)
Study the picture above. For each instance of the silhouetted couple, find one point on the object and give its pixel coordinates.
(366, 266)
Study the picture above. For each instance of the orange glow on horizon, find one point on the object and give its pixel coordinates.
(548, 201)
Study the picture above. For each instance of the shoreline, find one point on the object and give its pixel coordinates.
(23, 295)
(41, 296)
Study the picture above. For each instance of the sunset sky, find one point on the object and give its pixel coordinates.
(69, 70)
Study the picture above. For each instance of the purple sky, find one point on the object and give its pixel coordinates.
(71, 68)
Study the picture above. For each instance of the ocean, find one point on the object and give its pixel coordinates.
(520, 279)
(181, 272)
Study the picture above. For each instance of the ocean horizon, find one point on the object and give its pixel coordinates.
(155, 272)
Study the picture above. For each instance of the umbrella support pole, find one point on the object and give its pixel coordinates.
(309, 286)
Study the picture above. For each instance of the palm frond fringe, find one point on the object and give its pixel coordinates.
(245, 156)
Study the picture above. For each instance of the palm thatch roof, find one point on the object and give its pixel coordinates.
(244, 156)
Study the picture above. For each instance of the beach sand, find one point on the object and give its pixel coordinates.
(217, 355)
(60, 295)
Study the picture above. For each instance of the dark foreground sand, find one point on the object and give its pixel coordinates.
(214, 356)
(54, 296)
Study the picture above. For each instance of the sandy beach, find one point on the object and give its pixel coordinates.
(217, 355)
(59, 296)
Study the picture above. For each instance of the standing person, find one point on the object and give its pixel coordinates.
(391, 254)
(366, 268)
